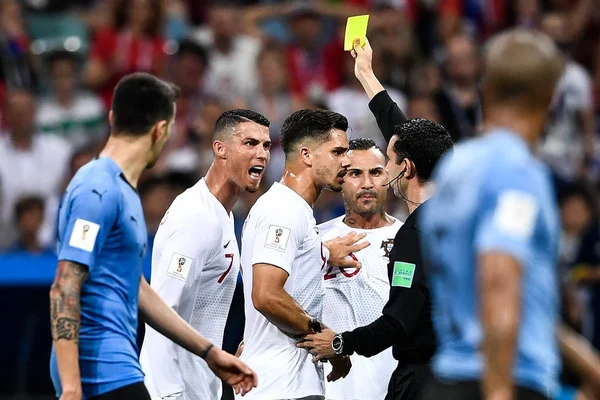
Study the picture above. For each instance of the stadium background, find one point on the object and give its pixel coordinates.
(60, 60)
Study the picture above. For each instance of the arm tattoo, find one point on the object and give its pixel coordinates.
(65, 306)
(67, 328)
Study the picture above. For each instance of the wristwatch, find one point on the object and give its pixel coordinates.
(338, 344)
(315, 325)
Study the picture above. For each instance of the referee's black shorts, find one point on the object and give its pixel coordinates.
(436, 390)
(135, 391)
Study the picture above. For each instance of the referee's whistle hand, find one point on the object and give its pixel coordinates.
(341, 249)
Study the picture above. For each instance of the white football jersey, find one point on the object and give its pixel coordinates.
(281, 230)
(563, 147)
(195, 264)
(355, 298)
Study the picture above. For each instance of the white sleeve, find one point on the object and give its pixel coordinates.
(583, 86)
(185, 253)
(278, 236)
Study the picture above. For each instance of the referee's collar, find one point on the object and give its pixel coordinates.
(413, 219)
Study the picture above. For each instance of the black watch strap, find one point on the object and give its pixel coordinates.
(315, 325)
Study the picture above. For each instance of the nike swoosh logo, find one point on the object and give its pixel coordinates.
(133, 219)
(226, 244)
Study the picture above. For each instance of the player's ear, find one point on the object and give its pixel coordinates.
(305, 155)
(220, 149)
(411, 169)
(160, 132)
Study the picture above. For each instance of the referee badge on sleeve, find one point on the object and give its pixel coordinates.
(84, 235)
(277, 238)
(403, 274)
(179, 267)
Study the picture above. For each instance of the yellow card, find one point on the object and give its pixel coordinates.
(356, 27)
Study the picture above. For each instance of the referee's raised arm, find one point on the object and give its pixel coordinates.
(386, 111)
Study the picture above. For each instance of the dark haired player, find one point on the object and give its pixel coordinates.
(283, 259)
(99, 286)
(355, 297)
(405, 323)
(195, 260)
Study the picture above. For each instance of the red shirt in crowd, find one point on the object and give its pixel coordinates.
(322, 70)
(126, 54)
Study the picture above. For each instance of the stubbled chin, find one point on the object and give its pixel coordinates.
(253, 187)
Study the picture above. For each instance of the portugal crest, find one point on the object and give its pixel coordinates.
(387, 245)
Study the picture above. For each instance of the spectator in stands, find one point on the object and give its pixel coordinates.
(315, 67)
(272, 97)
(232, 54)
(396, 47)
(156, 195)
(79, 158)
(480, 18)
(134, 44)
(203, 131)
(29, 216)
(273, 100)
(458, 101)
(30, 163)
(587, 273)
(527, 13)
(422, 107)
(189, 69)
(69, 112)
(425, 80)
(570, 141)
(576, 212)
(17, 68)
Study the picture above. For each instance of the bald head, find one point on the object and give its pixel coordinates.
(521, 70)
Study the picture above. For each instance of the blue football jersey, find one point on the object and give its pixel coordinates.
(493, 196)
(101, 225)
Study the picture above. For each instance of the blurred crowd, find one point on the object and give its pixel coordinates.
(61, 59)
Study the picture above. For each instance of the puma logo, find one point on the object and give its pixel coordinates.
(100, 195)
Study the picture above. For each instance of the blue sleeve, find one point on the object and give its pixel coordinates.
(92, 212)
(508, 214)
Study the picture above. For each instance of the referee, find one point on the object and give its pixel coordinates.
(414, 148)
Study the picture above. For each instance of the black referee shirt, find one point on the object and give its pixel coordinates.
(405, 322)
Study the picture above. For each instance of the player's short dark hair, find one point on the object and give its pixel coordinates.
(190, 46)
(310, 124)
(141, 100)
(362, 144)
(423, 142)
(231, 118)
(62, 55)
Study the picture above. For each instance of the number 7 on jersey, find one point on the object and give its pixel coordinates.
(222, 278)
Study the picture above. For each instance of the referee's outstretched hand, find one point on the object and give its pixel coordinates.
(231, 370)
(341, 250)
(363, 59)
